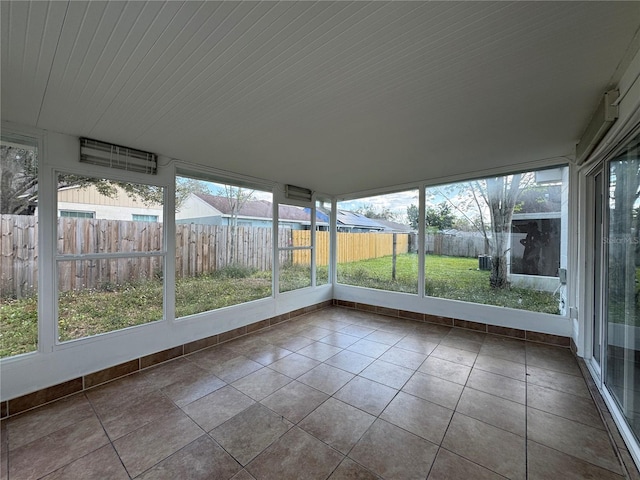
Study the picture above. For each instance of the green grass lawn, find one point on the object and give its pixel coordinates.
(454, 278)
(91, 312)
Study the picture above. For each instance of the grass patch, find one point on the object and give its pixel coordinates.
(454, 278)
(85, 313)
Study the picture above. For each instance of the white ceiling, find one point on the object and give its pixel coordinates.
(337, 97)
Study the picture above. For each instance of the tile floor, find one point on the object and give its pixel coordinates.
(336, 394)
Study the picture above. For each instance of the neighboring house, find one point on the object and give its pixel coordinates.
(88, 202)
(394, 227)
(539, 233)
(216, 210)
(357, 223)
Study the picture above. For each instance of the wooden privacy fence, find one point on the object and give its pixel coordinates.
(455, 246)
(200, 249)
(361, 246)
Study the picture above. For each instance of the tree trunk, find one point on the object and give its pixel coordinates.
(502, 195)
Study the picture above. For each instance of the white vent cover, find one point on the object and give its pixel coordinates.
(297, 193)
(104, 154)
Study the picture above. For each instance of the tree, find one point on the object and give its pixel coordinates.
(237, 198)
(440, 217)
(19, 184)
(18, 180)
(501, 195)
(412, 215)
(382, 213)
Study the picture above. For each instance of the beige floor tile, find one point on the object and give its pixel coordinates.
(496, 411)
(449, 466)
(261, 383)
(438, 367)
(498, 385)
(315, 333)
(562, 382)
(573, 438)
(148, 445)
(337, 424)
(434, 389)
(341, 340)
(500, 366)
(368, 348)
(123, 419)
(326, 378)
(455, 355)
(170, 372)
(243, 475)
(388, 338)
(545, 463)
(351, 362)
(293, 342)
(235, 368)
(367, 395)
(417, 344)
(267, 354)
(319, 351)
(425, 419)
(100, 464)
(388, 374)
(506, 348)
(46, 454)
(294, 456)
(191, 388)
(565, 405)
(357, 330)
(461, 343)
(495, 449)
(404, 358)
(394, 453)
(350, 470)
(217, 407)
(250, 432)
(202, 459)
(295, 401)
(42, 421)
(294, 365)
(552, 358)
(119, 392)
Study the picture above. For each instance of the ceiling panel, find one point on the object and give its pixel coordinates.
(338, 97)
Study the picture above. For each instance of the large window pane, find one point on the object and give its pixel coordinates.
(294, 247)
(224, 245)
(623, 286)
(100, 296)
(109, 267)
(376, 243)
(497, 240)
(323, 218)
(18, 246)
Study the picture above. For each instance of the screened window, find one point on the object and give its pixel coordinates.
(224, 245)
(377, 242)
(109, 269)
(19, 241)
(497, 240)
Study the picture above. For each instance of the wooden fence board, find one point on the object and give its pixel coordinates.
(200, 249)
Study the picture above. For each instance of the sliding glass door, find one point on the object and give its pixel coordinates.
(621, 251)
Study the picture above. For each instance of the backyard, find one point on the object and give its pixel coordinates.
(89, 312)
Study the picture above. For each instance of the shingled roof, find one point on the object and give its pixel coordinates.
(257, 208)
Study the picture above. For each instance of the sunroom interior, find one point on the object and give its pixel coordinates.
(317, 106)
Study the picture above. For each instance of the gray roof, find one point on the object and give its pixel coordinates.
(256, 208)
